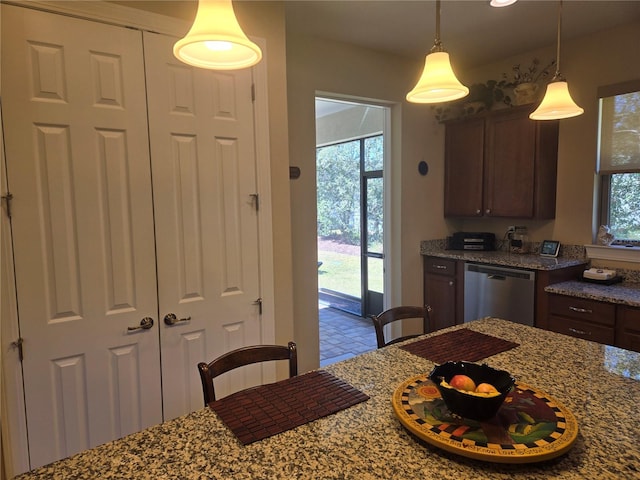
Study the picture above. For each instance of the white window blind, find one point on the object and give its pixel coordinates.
(619, 138)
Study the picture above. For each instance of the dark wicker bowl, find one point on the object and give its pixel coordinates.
(471, 406)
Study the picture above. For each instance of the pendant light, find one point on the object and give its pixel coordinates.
(438, 83)
(557, 102)
(502, 3)
(216, 41)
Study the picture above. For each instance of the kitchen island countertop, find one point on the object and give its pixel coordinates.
(597, 383)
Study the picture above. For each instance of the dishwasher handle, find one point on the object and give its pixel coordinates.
(496, 277)
(500, 273)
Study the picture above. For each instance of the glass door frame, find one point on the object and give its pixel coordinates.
(372, 301)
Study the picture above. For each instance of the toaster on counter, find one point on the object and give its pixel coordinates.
(478, 241)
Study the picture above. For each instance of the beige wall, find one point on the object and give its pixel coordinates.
(603, 58)
(266, 20)
(316, 66)
(417, 201)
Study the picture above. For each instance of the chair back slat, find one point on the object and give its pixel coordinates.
(395, 314)
(241, 357)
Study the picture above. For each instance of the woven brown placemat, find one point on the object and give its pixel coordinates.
(463, 344)
(267, 410)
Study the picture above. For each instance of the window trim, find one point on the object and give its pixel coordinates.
(605, 198)
(604, 216)
(620, 253)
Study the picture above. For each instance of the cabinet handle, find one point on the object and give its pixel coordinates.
(487, 211)
(478, 211)
(580, 310)
(451, 283)
(441, 267)
(579, 332)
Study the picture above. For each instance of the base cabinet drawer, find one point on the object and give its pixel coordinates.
(578, 328)
(440, 266)
(590, 311)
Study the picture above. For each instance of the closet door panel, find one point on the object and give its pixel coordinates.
(204, 180)
(74, 112)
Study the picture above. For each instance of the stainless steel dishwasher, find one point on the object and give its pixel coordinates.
(502, 292)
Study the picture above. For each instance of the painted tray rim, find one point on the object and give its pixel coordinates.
(520, 453)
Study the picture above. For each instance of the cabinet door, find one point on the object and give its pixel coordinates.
(628, 328)
(440, 294)
(464, 153)
(577, 328)
(510, 165)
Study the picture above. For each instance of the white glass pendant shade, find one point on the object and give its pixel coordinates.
(556, 104)
(502, 3)
(216, 41)
(438, 83)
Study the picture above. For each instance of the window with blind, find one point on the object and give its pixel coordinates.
(619, 160)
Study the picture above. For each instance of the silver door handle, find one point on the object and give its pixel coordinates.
(171, 319)
(145, 324)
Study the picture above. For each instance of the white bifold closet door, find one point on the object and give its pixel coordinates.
(133, 198)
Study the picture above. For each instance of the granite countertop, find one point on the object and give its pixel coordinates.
(517, 260)
(626, 293)
(599, 384)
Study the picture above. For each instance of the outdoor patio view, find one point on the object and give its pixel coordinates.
(350, 177)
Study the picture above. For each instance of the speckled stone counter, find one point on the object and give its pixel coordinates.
(621, 293)
(599, 384)
(528, 261)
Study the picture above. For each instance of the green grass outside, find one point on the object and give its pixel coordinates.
(341, 272)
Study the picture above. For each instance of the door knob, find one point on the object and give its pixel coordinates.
(145, 324)
(171, 319)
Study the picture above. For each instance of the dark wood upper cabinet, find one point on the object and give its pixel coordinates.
(464, 158)
(501, 164)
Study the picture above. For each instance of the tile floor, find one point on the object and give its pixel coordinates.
(343, 335)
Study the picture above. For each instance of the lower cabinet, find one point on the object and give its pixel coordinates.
(444, 291)
(583, 318)
(628, 328)
(602, 322)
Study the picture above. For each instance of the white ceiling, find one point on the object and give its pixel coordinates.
(473, 32)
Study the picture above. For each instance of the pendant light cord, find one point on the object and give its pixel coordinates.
(557, 75)
(437, 43)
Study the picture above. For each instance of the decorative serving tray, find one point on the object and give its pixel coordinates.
(529, 427)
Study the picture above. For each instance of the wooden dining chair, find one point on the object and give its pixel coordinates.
(396, 314)
(241, 357)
